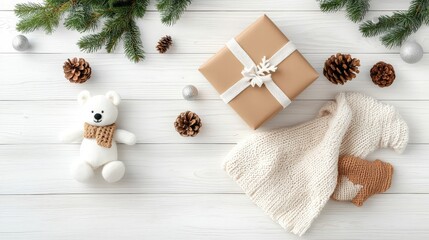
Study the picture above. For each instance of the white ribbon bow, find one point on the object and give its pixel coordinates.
(258, 75)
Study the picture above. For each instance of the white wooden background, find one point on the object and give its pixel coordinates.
(174, 187)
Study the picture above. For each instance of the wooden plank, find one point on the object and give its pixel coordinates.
(250, 5)
(199, 32)
(151, 81)
(178, 190)
(52, 217)
(164, 168)
(152, 120)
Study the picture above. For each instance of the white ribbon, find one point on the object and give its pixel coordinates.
(258, 75)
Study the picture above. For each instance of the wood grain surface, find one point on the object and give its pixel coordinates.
(175, 187)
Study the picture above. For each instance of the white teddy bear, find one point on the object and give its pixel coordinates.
(99, 136)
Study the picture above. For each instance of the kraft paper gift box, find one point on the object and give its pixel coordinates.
(254, 101)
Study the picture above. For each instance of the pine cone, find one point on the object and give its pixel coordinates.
(383, 74)
(164, 44)
(341, 68)
(77, 70)
(188, 124)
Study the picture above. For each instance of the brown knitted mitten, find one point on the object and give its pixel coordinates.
(364, 178)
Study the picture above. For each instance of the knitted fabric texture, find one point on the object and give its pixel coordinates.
(379, 126)
(103, 134)
(371, 177)
(291, 172)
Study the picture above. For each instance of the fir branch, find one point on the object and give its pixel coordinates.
(356, 9)
(93, 42)
(140, 7)
(396, 36)
(24, 9)
(132, 43)
(385, 22)
(172, 10)
(109, 36)
(119, 21)
(82, 18)
(120, 26)
(114, 29)
(124, 26)
(58, 2)
(38, 16)
(332, 5)
(395, 29)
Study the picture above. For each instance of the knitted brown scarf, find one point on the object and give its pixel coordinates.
(103, 135)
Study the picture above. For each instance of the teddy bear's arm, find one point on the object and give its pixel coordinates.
(71, 135)
(123, 136)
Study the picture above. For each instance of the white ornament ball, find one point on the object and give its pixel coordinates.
(411, 52)
(189, 92)
(375, 20)
(20, 43)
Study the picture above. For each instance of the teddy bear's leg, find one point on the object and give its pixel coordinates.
(113, 171)
(82, 171)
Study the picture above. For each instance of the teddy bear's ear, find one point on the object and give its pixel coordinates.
(114, 97)
(83, 97)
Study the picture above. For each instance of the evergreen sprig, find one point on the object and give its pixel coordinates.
(356, 9)
(171, 10)
(38, 16)
(395, 29)
(119, 21)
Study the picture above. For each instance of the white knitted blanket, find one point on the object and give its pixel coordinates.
(291, 172)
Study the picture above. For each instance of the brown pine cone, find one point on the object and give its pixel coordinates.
(164, 44)
(341, 68)
(188, 124)
(382, 74)
(77, 70)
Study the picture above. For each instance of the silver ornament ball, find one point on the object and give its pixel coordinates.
(20, 43)
(375, 20)
(189, 92)
(411, 52)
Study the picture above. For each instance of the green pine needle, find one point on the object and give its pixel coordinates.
(396, 36)
(395, 29)
(357, 9)
(24, 9)
(81, 18)
(132, 43)
(172, 10)
(56, 2)
(114, 29)
(332, 5)
(140, 8)
(370, 29)
(118, 18)
(37, 16)
(93, 42)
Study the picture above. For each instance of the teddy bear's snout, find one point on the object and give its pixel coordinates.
(97, 116)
